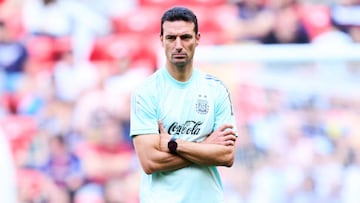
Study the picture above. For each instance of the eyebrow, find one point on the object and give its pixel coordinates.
(181, 36)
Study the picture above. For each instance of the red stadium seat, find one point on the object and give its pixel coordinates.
(214, 18)
(213, 28)
(42, 53)
(145, 20)
(158, 3)
(170, 3)
(19, 130)
(112, 47)
(316, 19)
(224, 15)
(205, 3)
(135, 46)
(41, 48)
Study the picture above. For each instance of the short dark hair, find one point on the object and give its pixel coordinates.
(179, 13)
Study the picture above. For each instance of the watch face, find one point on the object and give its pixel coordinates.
(172, 145)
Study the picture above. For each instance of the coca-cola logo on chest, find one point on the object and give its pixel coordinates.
(188, 128)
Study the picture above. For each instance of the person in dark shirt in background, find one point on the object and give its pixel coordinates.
(287, 28)
(13, 57)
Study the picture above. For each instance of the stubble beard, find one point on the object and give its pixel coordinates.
(180, 65)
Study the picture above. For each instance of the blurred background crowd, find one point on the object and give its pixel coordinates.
(67, 68)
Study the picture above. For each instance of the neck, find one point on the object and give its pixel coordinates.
(180, 73)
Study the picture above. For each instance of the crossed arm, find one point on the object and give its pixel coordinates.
(217, 149)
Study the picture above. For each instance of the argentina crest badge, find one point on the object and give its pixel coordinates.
(202, 106)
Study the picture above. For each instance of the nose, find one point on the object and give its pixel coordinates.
(178, 44)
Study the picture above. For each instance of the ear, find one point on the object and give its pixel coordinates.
(161, 40)
(197, 38)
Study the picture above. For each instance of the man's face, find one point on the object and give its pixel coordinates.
(179, 41)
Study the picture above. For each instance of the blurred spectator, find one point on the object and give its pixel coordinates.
(111, 95)
(72, 77)
(66, 18)
(7, 171)
(63, 166)
(346, 16)
(13, 57)
(254, 20)
(287, 28)
(120, 82)
(55, 117)
(107, 155)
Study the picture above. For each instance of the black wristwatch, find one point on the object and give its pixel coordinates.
(172, 145)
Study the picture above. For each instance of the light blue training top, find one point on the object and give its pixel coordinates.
(190, 111)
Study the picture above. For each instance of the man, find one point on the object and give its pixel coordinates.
(182, 122)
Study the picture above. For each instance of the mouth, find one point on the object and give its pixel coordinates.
(179, 56)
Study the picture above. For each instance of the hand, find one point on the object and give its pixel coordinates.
(164, 138)
(224, 135)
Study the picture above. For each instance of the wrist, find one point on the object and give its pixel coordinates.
(172, 146)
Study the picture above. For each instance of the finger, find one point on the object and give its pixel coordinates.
(161, 127)
(229, 132)
(225, 126)
(230, 137)
(230, 143)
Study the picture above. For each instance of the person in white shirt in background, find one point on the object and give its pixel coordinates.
(7, 172)
(66, 18)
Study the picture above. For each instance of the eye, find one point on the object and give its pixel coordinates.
(186, 37)
(170, 37)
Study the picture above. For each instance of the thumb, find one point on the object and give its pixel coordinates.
(161, 127)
